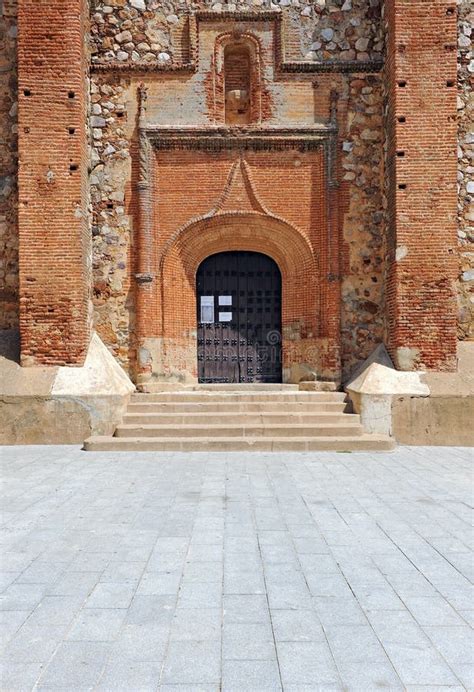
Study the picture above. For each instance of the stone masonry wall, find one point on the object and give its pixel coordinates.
(8, 167)
(465, 170)
(150, 30)
(112, 229)
(363, 229)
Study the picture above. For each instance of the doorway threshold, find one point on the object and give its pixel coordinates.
(157, 387)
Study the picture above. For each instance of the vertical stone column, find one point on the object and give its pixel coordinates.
(331, 264)
(421, 168)
(54, 238)
(144, 276)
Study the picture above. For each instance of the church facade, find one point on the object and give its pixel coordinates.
(252, 192)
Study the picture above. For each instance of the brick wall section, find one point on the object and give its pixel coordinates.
(310, 314)
(54, 236)
(421, 158)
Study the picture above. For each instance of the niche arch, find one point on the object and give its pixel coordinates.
(237, 68)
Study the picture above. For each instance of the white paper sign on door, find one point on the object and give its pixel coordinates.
(207, 308)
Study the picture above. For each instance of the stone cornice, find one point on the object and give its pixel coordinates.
(354, 66)
(142, 67)
(241, 139)
(345, 66)
(238, 16)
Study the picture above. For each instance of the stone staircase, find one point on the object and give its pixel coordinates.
(237, 418)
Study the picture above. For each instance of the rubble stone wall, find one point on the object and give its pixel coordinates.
(155, 30)
(364, 224)
(8, 166)
(465, 170)
(112, 220)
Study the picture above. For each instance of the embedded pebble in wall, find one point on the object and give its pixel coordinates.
(327, 34)
(123, 36)
(97, 121)
(361, 44)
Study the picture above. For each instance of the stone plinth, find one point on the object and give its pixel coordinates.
(62, 405)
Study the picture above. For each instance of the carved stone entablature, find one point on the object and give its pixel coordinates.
(217, 139)
(251, 139)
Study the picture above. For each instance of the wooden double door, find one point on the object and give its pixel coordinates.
(239, 318)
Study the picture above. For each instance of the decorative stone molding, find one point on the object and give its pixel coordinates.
(248, 139)
(344, 66)
(241, 138)
(144, 276)
(143, 187)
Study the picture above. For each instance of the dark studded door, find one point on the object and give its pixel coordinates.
(239, 318)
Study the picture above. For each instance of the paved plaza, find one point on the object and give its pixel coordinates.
(206, 572)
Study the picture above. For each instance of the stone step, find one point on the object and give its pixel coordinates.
(218, 407)
(345, 429)
(160, 387)
(251, 396)
(231, 417)
(360, 443)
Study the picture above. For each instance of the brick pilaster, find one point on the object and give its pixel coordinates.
(421, 160)
(53, 225)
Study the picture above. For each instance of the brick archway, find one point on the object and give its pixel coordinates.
(250, 231)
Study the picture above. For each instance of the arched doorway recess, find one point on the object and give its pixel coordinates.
(239, 318)
(173, 345)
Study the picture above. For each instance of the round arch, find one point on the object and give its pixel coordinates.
(239, 318)
(251, 232)
(268, 234)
